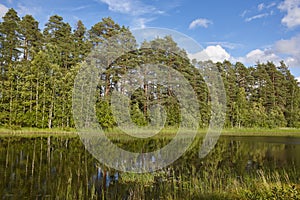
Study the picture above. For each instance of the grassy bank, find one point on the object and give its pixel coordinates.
(166, 132)
(260, 185)
(37, 132)
(293, 132)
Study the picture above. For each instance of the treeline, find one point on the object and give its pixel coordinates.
(38, 68)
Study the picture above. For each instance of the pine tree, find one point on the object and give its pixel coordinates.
(58, 36)
(292, 97)
(31, 37)
(31, 44)
(10, 43)
(82, 46)
(241, 109)
(38, 72)
(230, 79)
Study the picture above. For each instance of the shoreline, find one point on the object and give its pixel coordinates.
(165, 133)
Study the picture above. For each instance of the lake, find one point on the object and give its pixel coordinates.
(60, 168)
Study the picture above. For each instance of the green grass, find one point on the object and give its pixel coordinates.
(293, 132)
(164, 133)
(260, 185)
(36, 132)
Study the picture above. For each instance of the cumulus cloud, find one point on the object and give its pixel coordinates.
(292, 8)
(261, 56)
(286, 50)
(3, 10)
(291, 48)
(200, 22)
(283, 50)
(298, 79)
(213, 53)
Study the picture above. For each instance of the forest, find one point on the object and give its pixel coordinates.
(38, 68)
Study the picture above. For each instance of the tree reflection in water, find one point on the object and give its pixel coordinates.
(60, 167)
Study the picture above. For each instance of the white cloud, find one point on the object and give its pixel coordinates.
(261, 56)
(139, 13)
(140, 22)
(27, 9)
(80, 8)
(292, 8)
(131, 7)
(291, 48)
(271, 5)
(298, 79)
(244, 13)
(3, 10)
(249, 19)
(262, 10)
(261, 6)
(283, 50)
(213, 53)
(118, 6)
(286, 50)
(292, 62)
(200, 22)
(228, 45)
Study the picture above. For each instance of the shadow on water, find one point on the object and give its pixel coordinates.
(58, 167)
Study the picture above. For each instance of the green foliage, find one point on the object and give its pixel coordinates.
(38, 69)
(137, 116)
(275, 192)
(104, 114)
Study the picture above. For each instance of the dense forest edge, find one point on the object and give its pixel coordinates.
(38, 68)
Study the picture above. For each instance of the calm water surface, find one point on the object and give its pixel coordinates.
(61, 168)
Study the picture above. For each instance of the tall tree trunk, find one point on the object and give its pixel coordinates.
(51, 110)
(10, 104)
(26, 50)
(31, 96)
(36, 102)
(107, 86)
(44, 104)
(146, 98)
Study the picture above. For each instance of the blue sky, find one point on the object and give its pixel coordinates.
(236, 30)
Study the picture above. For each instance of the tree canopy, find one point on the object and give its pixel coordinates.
(38, 68)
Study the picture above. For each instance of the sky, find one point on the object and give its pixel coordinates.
(248, 31)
